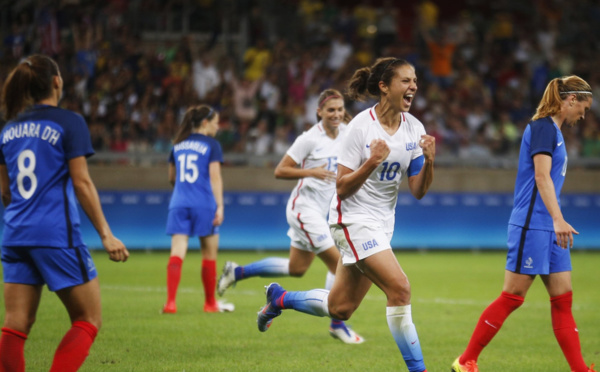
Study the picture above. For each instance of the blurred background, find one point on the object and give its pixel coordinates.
(132, 68)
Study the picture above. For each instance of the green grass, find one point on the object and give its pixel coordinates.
(450, 289)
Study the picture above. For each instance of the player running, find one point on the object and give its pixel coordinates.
(315, 151)
(383, 146)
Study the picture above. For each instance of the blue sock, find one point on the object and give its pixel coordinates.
(267, 268)
(313, 302)
(399, 320)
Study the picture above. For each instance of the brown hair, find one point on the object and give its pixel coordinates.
(328, 94)
(193, 119)
(365, 81)
(557, 91)
(28, 83)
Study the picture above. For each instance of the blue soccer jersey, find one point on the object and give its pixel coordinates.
(541, 136)
(36, 147)
(192, 158)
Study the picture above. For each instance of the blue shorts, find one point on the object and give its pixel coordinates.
(191, 221)
(535, 252)
(59, 268)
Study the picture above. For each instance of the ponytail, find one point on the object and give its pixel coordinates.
(365, 81)
(28, 83)
(557, 90)
(192, 120)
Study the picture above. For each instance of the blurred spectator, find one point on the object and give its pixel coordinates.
(488, 65)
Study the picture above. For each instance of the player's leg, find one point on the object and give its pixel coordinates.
(301, 257)
(338, 329)
(21, 302)
(83, 305)
(513, 294)
(317, 302)
(179, 247)
(558, 285)
(209, 246)
(385, 272)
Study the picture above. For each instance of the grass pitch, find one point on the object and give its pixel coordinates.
(449, 292)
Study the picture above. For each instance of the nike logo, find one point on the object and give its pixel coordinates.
(559, 144)
(317, 150)
(491, 325)
(414, 342)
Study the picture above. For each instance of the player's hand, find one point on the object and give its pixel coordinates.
(427, 143)
(323, 174)
(219, 216)
(564, 234)
(116, 249)
(379, 150)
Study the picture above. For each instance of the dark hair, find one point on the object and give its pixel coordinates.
(193, 119)
(28, 83)
(328, 94)
(365, 81)
(557, 90)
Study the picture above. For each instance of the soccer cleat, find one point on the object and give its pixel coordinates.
(169, 308)
(591, 368)
(345, 334)
(219, 307)
(266, 314)
(470, 366)
(227, 277)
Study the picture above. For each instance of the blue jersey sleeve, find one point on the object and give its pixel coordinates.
(78, 141)
(543, 138)
(172, 156)
(216, 153)
(415, 166)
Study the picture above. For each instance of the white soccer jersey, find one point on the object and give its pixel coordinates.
(374, 203)
(313, 149)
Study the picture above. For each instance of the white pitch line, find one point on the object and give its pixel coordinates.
(380, 297)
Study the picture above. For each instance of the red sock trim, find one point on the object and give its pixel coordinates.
(89, 328)
(568, 295)
(14, 333)
(281, 300)
(513, 297)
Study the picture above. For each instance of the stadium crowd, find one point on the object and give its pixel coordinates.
(482, 66)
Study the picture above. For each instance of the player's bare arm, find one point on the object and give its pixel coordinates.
(564, 232)
(288, 169)
(349, 181)
(4, 186)
(419, 184)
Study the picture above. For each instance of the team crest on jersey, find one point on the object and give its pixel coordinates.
(411, 146)
(529, 263)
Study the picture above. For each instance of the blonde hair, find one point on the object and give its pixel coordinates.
(557, 91)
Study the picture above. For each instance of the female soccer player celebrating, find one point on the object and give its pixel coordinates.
(43, 168)
(196, 207)
(315, 151)
(384, 145)
(539, 238)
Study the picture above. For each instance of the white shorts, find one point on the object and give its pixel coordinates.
(357, 242)
(309, 231)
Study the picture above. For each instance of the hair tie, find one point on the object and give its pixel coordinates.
(27, 62)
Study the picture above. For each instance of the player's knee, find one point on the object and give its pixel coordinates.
(398, 294)
(297, 272)
(19, 322)
(341, 312)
